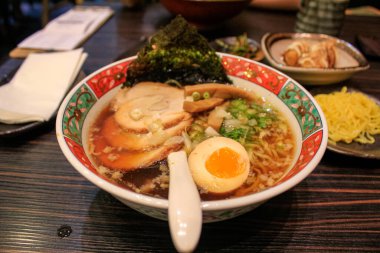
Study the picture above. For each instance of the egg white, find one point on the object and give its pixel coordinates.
(209, 182)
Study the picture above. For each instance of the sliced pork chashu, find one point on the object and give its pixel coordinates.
(140, 90)
(117, 137)
(217, 90)
(218, 94)
(148, 106)
(130, 160)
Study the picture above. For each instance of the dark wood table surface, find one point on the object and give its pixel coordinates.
(336, 209)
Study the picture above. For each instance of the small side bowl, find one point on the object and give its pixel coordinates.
(84, 102)
(258, 54)
(350, 60)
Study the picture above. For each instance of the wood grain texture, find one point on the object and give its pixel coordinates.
(336, 209)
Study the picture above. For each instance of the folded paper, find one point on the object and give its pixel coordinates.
(39, 85)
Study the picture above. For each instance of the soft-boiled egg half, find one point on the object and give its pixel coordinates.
(219, 165)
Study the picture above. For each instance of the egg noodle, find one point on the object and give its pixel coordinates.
(351, 116)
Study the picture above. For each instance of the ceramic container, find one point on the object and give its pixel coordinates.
(205, 13)
(321, 16)
(83, 103)
(349, 60)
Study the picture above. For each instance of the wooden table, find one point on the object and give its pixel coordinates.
(336, 209)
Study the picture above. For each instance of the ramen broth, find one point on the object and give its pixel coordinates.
(271, 156)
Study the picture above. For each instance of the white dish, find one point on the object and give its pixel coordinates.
(349, 60)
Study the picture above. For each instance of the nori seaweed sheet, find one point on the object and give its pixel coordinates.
(177, 52)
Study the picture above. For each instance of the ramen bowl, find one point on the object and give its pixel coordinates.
(85, 101)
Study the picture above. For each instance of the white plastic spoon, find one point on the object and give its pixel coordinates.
(185, 213)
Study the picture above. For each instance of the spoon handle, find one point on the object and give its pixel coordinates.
(185, 213)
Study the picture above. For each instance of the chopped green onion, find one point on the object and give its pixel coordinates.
(196, 96)
(206, 95)
(252, 122)
(136, 114)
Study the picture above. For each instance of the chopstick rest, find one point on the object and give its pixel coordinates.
(37, 88)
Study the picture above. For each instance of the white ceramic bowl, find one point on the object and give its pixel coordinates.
(88, 97)
(349, 60)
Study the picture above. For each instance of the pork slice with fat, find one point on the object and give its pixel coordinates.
(130, 160)
(118, 137)
(150, 106)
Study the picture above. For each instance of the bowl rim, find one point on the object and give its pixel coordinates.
(291, 69)
(215, 205)
(215, 1)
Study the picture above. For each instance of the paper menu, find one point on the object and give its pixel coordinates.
(69, 30)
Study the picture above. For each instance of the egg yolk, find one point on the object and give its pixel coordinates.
(224, 163)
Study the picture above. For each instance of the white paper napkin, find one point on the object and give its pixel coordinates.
(39, 85)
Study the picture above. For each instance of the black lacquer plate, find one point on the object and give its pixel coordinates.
(11, 130)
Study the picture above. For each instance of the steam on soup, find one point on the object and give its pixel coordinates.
(237, 143)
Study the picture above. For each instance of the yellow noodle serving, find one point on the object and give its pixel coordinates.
(351, 116)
